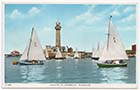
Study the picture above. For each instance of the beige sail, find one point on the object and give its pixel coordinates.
(93, 53)
(113, 49)
(97, 53)
(58, 54)
(76, 55)
(34, 51)
(24, 54)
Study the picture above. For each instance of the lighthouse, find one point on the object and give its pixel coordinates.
(58, 38)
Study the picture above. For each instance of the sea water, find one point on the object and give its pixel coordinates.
(69, 71)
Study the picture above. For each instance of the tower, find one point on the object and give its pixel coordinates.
(58, 28)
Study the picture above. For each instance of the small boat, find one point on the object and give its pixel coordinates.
(113, 54)
(76, 55)
(96, 53)
(58, 54)
(33, 53)
(15, 62)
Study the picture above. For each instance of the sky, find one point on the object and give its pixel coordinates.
(83, 25)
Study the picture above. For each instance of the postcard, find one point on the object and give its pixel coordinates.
(69, 45)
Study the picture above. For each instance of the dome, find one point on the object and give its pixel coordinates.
(57, 23)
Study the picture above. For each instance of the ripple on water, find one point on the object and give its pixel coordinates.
(69, 71)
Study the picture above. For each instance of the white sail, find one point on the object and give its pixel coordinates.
(104, 53)
(24, 54)
(46, 53)
(114, 49)
(67, 54)
(100, 50)
(97, 53)
(34, 50)
(93, 53)
(58, 54)
(76, 55)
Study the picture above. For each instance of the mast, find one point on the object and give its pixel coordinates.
(108, 32)
(98, 46)
(30, 43)
(98, 50)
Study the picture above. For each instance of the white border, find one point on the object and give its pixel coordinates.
(64, 85)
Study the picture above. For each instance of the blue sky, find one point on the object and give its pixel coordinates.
(83, 25)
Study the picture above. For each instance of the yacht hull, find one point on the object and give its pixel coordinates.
(95, 58)
(30, 63)
(105, 65)
(60, 58)
(76, 58)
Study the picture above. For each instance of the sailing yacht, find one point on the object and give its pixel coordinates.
(96, 53)
(33, 53)
(93, 53)
(113, 54)
(58, 54)
(76, 55)
(67, 55)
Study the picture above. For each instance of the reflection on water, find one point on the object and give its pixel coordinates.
(114, 74)
(69, 71)
(31, 73)
(58, 70)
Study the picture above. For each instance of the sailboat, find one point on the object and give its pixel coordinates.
(67, 55)
(93, 53)
(58, 54)
(46, 54)
(76, 55)
(96, 53)
(33, 53)
(113, 54)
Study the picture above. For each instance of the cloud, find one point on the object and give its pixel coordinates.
(129, 18)
(127, 28)
(90, 8)
(128, 9)
(15, 13)
(87, 18)
(91, 18)
(86, 15)
(120, 10)
(33, 10)
(116, 10)
(115, 13)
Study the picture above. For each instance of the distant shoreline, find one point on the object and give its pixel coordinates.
(87, 55)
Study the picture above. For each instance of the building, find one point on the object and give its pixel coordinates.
(58, 38)
(134, 47)
(15, 53)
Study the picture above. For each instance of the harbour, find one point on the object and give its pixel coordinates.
(69, 71)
